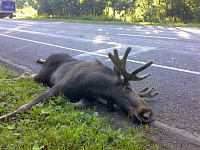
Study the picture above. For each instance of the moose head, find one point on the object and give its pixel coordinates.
(139, 110)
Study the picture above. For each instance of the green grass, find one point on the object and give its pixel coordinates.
(103, 20)
(57, 125)
(78, 19)
(169, 24)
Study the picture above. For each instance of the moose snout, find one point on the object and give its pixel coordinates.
(144, 118)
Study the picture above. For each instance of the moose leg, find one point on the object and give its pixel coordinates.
(25, 75)
(82, 103)
(109, 103)
(88, 103)
(41, 98)
(110, 106)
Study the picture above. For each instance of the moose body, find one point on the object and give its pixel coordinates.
(76, 79)
(90, 80)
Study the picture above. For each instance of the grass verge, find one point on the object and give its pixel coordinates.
(57, 125)
(101, 20)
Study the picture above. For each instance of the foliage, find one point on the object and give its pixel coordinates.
(162, 11)
(27, 11)
(56, 124)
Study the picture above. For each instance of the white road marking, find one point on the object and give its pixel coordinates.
(96, 40)
(149, 36)
(53, 45)
(102, 55)
(62, 36)
(136, 50)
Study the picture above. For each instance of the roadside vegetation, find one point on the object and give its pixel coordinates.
(103, 21)
(142, 12)
(57, 125)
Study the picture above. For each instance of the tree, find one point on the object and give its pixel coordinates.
(126, 10)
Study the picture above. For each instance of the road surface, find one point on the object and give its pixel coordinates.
(175, 51)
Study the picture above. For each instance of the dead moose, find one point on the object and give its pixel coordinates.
(91, 80)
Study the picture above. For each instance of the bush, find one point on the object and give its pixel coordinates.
(27, 11)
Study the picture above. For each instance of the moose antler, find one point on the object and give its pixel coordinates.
(147, 92)
(120, 65)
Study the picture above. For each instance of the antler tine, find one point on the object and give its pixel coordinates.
(116, 53)
(147, 92)
(144, 89)
(120, 65)
(124, 58)
(139, 69)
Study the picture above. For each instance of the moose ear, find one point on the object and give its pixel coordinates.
(116, 72)
(118, 80)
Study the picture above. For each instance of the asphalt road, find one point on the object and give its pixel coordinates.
(175, 51)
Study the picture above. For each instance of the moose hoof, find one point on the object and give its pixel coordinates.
(82, 103)
(40, 61)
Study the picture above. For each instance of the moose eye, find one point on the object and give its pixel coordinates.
(127, 89)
